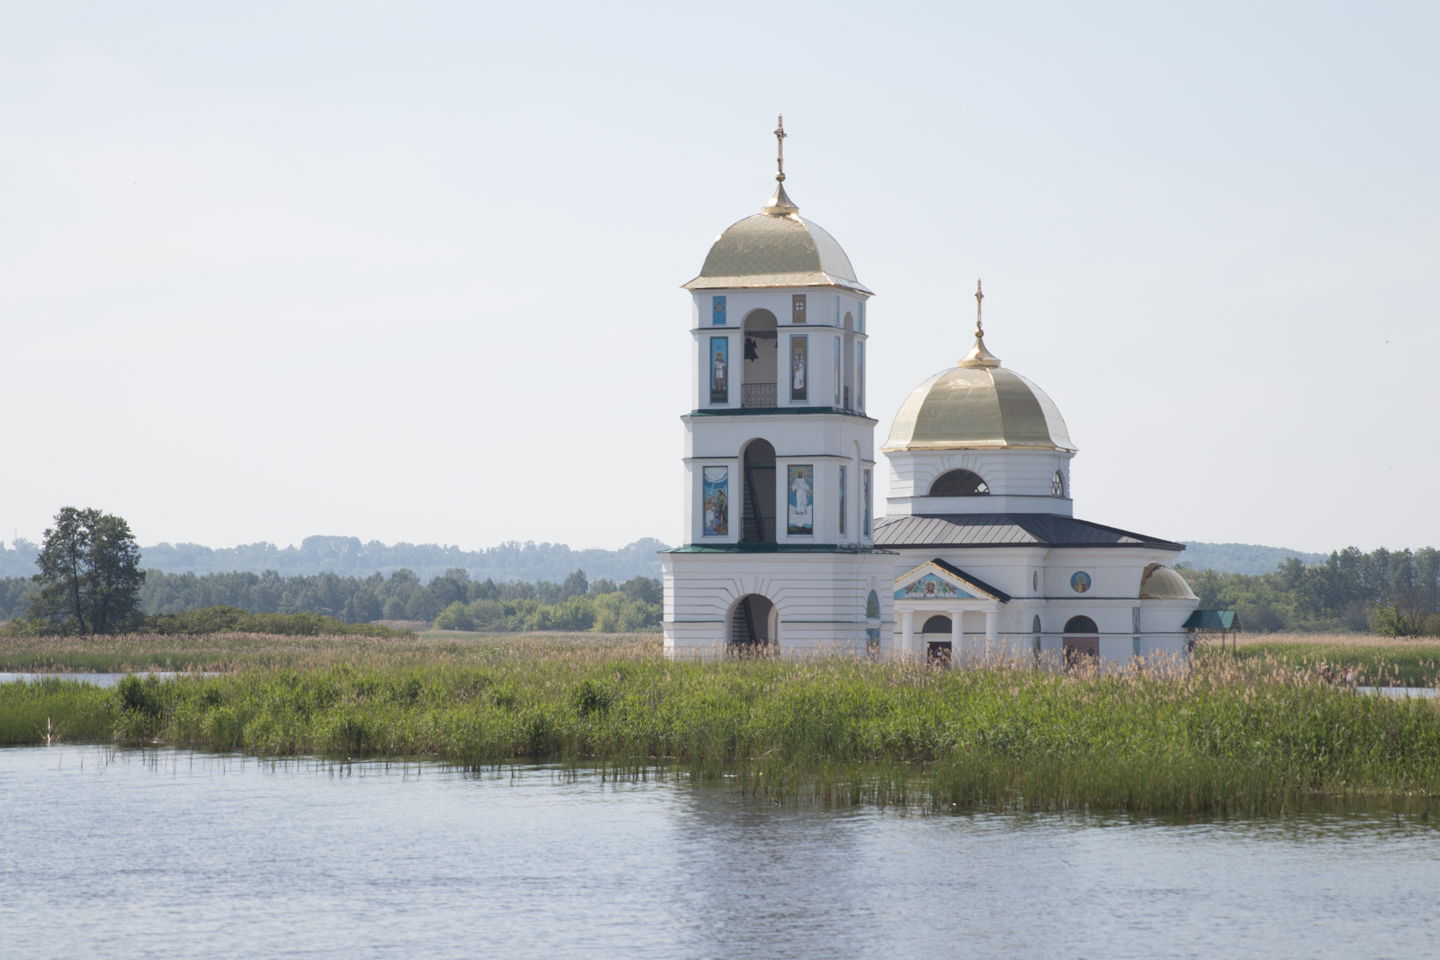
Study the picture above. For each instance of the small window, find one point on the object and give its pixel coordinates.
(1057, 484)
(1081, 625)
(959, 483)
(937, 624)
(872, 606)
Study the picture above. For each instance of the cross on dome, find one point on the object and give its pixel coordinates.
(780, 136)
(978, 355)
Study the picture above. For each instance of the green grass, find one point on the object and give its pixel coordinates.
(1380, 661)
(1233, 737)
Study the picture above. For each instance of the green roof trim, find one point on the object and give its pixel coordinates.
(1211, 620)
(775, 548)
(774, 411)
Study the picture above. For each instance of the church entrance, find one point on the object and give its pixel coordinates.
(1081, 651)
(757, 522)
(752, 625)
(937, 652)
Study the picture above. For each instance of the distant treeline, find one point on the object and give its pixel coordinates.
(348, 556)
(573, 604)
(1394, 592)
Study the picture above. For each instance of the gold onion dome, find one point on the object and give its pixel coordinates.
(776, 248)
(978, 405)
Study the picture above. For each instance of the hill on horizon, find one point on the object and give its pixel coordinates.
(1242, 557)
(513, 560)
(348, 556)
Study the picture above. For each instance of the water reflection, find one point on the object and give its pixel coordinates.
(129, 854)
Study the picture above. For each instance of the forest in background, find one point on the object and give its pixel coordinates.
(1394, 592)
(575, 603)
(348, 556)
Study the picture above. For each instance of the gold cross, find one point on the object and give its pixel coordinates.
(780, 136)
(979, 301)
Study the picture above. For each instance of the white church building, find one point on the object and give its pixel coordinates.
(979, 551)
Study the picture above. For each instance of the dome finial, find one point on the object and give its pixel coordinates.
(780, 142)
(978, 355)
(779, 204)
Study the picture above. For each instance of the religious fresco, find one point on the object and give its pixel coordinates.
(1080, 581)
(872, 606)
(719, 369)
(842, 500)
(799, 367)
(716, 483)
(837, 371)
(865, 520)
(800, 487)
(797, 308)
(717, 317)
(931, 587)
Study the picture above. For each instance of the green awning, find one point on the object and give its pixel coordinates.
(1211, 620)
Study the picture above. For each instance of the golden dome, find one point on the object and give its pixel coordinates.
(978, 405)
(1160, 582)
(776, 248)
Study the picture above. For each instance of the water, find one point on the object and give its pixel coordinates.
(99, 679)
(131, 854)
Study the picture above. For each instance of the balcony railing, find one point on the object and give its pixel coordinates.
(760, 530)
(757, 395)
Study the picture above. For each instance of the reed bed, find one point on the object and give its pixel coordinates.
(1383, 661)
(1228, 736)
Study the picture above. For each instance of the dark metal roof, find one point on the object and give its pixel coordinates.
(1211, 620)
(1006, 530)
(976, 582)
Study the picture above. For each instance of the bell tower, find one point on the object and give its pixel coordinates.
(779, 452)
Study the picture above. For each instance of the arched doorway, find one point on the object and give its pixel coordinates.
(1082, 642)
(753, 624)
(762, 345)
(757, 518)
(938, 651)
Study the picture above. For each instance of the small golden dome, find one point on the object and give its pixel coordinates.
(1160, 582)
(978, 405)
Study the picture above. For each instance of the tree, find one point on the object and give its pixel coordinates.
(90, 574)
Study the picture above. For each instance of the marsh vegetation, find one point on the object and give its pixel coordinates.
(1234, 734)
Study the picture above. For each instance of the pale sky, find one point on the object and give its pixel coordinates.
(411, 271)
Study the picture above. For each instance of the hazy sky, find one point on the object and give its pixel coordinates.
(412, 271)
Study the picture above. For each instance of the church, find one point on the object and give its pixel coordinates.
(978, 552)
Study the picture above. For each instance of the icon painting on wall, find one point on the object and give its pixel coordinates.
(719, 369)
(719, 315)
(1080, 581)
(800, 482)
(799, 363)
(716, 481)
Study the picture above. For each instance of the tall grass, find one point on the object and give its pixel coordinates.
(1230, 736)
(1381, 661)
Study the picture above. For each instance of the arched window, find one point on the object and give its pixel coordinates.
(1035, 626)
(937, 624)
(1057, 484)
(1081, 625)
(872, 606)
(959, 483)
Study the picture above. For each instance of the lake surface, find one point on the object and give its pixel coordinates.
(147, 854)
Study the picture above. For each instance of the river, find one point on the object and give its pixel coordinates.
(170, 853)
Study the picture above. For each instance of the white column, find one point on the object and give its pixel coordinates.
(957, 634)
(992, 620)
(907, 635)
